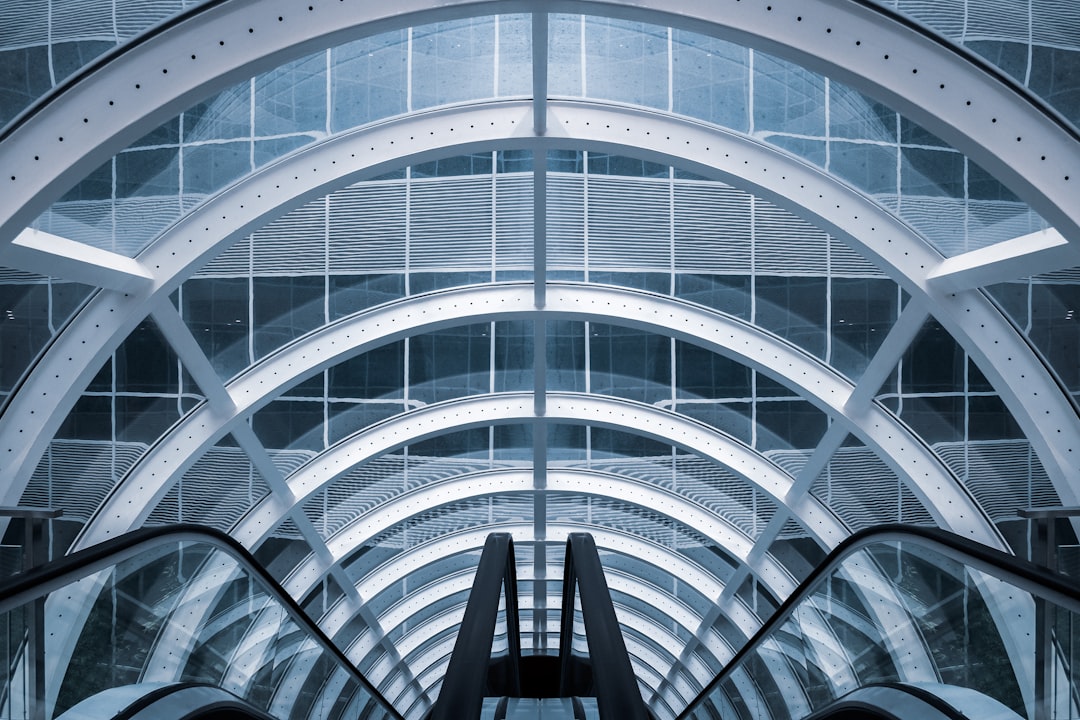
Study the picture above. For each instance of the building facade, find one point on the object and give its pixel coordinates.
(718, 282)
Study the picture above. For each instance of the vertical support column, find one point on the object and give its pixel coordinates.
(540, 166)
(540, 537)
(540, 71)
(1041, 553)
(540, 404)
(35, 629)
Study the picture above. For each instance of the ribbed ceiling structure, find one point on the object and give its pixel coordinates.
(718, 281)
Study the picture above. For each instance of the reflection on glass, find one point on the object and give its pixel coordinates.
(907, 610)
(32, 309)
(166, 612)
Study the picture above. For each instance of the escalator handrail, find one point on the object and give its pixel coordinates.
(1024, 574)
(617, 694)
(466, 677)
(51, 576)
(868, 702)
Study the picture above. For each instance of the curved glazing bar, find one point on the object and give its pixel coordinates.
(1036, 43)
(952, 201)
(610, 222)
(1040, 393)
(120, 598)
(44, 43)
(971, 607)
(126, 202)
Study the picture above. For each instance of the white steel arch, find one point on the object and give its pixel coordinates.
(669, 562)
(309, 572)
(669, 608)
(960, 306)
(172, 654)
(906, 648)
(660, 639)
(1047, 408)
(873, 50)
(171, 456)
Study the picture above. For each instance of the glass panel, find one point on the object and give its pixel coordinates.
(1046, 308)
(454, 61)
(32, 309)
(126, 202)
(169, 612)
(710, 79)
(42, 44)
(450, 364)
(626, 61)
(1036, 42)
(217, 490)
(842, 485)
(901, 165)
(908, 610)
(629, 363)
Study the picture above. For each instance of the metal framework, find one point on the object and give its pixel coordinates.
(612, 673)
(670, 612)
(253, 389)
(869, 49)
(873, 50)
(1035, 400)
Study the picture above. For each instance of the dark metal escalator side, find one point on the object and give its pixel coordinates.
(616, 688)
(191, 701)
(467, 676)
(51, 576)
(473, 673)
(1026, 575)
(892, 701)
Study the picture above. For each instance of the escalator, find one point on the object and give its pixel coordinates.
(907, 623)
(898, 623)
(597, 686)
(174, 623)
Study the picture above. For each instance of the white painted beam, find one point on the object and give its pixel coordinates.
(1033, 254)
(58, 257)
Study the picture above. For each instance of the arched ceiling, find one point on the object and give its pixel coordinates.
(710, 503)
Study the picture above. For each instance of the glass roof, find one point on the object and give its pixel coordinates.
(367, 295)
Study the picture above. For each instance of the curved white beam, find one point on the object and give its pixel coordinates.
(987, 339)
(876, 52)
(1041, 403)
(645, 655)
(892, 617)
(515, 408)
(309, 572)
(166, 462)
(669, 608)
(663, 643)
(490, 482)
(665, 560)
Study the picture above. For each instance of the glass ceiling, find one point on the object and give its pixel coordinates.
(426, 277)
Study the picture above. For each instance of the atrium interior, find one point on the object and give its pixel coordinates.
(721, 283)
